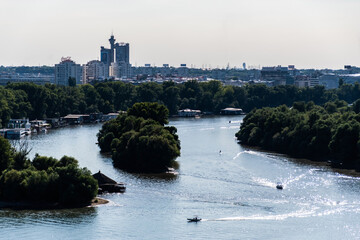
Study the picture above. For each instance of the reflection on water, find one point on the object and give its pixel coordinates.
(233, 192)
(49, 217)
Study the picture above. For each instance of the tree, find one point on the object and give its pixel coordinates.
(341, 82)
(139, 142)
(149, 110)
(6, 154)
(72, 82)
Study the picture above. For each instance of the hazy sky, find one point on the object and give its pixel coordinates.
(307, 33)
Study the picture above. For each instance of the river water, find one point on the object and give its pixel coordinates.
(233, 191)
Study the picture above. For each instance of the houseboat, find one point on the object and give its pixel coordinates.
(189, 113)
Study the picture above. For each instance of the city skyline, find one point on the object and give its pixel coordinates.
(308, 34)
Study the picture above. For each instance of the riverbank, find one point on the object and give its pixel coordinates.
(28, 205)
(306, 161)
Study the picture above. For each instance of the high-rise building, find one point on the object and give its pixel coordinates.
(94, 70)
(116, 59)
(105, 55)
(66, 69)
(122, 52)
(112, 48)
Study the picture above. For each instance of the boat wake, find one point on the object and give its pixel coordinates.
(251, 153)
(279, 217)
(264, 182)
(238, 155)
(291, 180)
(256, 153)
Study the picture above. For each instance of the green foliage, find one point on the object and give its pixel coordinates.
(149, 110)
(18, 100)
(71, 82)
(6, 158)
(306, 130)
(139, 142)
(45, 179)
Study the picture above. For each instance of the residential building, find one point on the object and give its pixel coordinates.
(302, 81)
(278, 75)
(120, 70)
(66, 69)
(95, 70)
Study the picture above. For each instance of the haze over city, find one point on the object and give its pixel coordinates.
(307, 33)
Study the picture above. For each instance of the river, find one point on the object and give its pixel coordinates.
(233, 191)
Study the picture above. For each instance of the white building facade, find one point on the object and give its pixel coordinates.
(94, 70)
(66, 69)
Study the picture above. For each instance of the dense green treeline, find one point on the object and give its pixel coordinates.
(44, 179)
(18, 100)
(330, 132)
(139, 141)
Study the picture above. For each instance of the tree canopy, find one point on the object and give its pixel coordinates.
(27, 100)
(328, 132)
(138, 140)
(44, 179)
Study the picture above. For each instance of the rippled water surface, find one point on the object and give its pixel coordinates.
(233, 191)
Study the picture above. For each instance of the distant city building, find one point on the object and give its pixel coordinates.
(278, 75)
(39, 79)
(105, 56)
(183, 71)
(302, 81)
(314, 82)
(94, 70)
(330, 81)
(116, 59)
(66, 69)
(122, 52)
(120, 70)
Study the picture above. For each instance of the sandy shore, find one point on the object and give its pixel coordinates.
(98, 201)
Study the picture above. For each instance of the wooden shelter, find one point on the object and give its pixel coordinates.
(107, 184)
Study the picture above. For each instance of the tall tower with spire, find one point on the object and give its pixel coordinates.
(112, 48)
(116, 59)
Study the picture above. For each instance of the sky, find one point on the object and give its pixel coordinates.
(200, 33)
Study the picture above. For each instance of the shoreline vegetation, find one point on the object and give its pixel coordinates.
(306, 161)
(43, 181)
(328, 133)
(139, 141)
(27, 100)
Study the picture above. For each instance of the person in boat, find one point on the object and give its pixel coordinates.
(279, 186)
(195, 219)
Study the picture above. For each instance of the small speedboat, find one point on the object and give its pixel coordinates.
(279, 186)
(195, 219)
